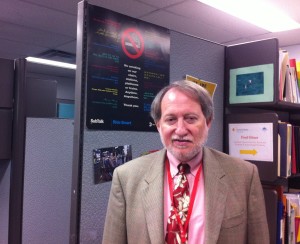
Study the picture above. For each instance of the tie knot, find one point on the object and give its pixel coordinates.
(183, 168)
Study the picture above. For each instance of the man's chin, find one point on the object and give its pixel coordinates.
(183, 155)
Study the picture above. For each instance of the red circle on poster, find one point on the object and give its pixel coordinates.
(132, 39)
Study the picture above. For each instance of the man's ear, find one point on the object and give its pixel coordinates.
(209, 122)
(157, 125)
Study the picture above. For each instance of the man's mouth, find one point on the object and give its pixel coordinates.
(181, 142)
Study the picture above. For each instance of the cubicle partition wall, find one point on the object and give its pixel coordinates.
(34, 207)
(188, 56)
(6, 112)
(47, 180)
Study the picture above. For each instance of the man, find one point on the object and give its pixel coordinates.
(226, 207)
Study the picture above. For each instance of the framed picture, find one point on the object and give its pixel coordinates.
(253, 84)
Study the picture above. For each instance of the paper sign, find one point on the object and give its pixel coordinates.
(209, 86)
(251, 141)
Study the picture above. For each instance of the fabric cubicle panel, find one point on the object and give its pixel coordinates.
(47, 180)
(189, 55)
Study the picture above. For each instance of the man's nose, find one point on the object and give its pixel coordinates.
(181, 127)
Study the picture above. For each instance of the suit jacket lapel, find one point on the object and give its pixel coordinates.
(153, 198)
(215, 195)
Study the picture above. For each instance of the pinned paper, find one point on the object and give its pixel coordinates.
(209, 86)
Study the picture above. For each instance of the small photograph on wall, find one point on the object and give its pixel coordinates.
(105, 161)
(250, 84)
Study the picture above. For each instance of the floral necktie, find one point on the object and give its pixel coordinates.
(181, 200)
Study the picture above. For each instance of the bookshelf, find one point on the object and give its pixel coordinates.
(244, 57)
(254, 114)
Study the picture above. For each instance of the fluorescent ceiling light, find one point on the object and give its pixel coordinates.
(51, 63)
(257, 12)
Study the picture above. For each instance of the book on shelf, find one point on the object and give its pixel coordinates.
(296, 150)
(288, 89)
(292, 212)
(291, 93)
(285, 131)
(297, 147)
(296, 65)
(288, 78)
(283, 64)
(288, 149)
(298, 71)
(294, 156)
(279, 154)
(274, 196)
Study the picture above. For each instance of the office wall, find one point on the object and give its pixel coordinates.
(294, 51)
(47, 181)
(65, 85)
(48, 94)
(189, 55)
(41, 98)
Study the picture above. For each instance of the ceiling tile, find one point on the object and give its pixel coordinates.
(18, 49)
(161, 3)
(188, 26)
(129, 7)
(69, 47)
(31, 36)
(286, 38)
(25, 14)
(194, 10)
(64, 6)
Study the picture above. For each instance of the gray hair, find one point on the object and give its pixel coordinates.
(191, 89)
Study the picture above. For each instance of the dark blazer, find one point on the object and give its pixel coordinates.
(234, 201)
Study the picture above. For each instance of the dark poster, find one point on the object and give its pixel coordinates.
(128, 63)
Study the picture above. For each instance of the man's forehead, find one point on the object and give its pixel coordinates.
(170, 95)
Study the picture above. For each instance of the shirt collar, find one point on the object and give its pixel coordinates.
(194, 164)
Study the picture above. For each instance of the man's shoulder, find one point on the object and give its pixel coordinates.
(225, 159)
(235, 169)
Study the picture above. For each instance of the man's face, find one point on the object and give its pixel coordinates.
(182, 127)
